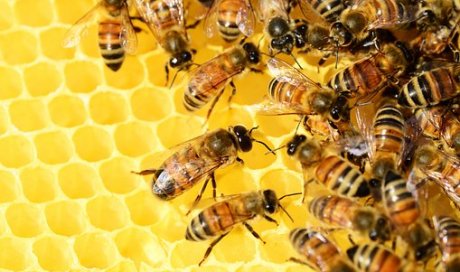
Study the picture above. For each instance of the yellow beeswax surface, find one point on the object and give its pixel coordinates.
(71, 132)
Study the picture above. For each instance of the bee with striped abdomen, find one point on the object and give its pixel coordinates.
(220, 218)
(372, 257)
(345, 213)
(165, 19)
(431, 87)
(448, 237)
(332, 171)
(208, 81)
(321, 254)
(230, 18)
(117, 35)
(197, 159)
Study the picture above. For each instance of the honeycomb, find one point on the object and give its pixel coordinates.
(71, 132)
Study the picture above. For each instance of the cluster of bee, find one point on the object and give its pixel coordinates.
(381, 134)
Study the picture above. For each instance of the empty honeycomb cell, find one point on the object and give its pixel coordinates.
(241, 239)
(170, 228)
(129, 76)
(277, 249)
(123, 266)
(230, 117)
(53, 147)
(89, 45)
(42, 78)
(52, 45)
(156, 71)
(282, 181)
(25, 220)
(209, 268)
(150, 105)
(108, 108)
(134, 139)
(4, 122)
(53, 253)
(187, 253)
(33, 13)
(78, 180)
(117, 177)
(67, 111)
(145, 209)
(140, 246)
(71, 13)
(8, 187)
(93, 143)
(66, 218)
(257, 268)
(178, 129)
(259, 157)
(7, 18)
(277, 126)
(38, 184)
(11, 82)
(295, 267)
(82, 76)
(19, 47)
(234, 180)
(18, 256)
(107, 213)
(16, 150)
(29, 115)
(250, 88)
(95, 250)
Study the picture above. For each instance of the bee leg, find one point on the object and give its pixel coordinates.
(351, 240)
(233, 92)
(269, 219)
(193, 25)
(213, 183)
(305, 189)
(240, 160)
(145, 172)
(214, 102)
(208, 251)
(198, 197)
(257, 71)
(253, 232)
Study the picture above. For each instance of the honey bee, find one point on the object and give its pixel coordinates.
(440, 167)
(431, 87)
(366, 76)
(165, 19)
(197, 159)
(117, 35)
(348, 214)
(220, 218)
(230, 18)
(321, 254)
(291, 92)
(371, 257)
(404, 212)
(448, 237)
(334, 172)
(209, 80)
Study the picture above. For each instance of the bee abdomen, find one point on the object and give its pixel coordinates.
(341, 177)
(329, 9)
(109, 42)
(193, 99)
(227, 15)
(400, 203)
(213, 221)
(372, 257)
(332, 210)
(389, 129)
(448, 231)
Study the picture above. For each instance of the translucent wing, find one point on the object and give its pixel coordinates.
(79, 29)
(210, 22)
(399, 18)
(311, 15)
(364, 122)
(286, 73)
(245, 18)
(270, 107)
(128, 35)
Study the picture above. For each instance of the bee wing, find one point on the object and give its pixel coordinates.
(409, 16)
(210, 22)
(245, 18)
(128, 35)
(79, 29)
(311, 15)
(270, 107)
(287, 73)
(364, 122)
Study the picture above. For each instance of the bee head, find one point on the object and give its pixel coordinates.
(284, 43)
(355, 21)
(278, 27)
(294, 143)
(340, 35)
(340, 109)
(243, 138)
(181, 59)
(252, 52)
(270, 201)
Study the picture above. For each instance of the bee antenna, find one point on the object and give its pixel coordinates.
(298, 64)
(174, 78)
(284, 210)
(260, 40)
(336, 54)
(266, 146)
(276, 149)
(293, 194)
